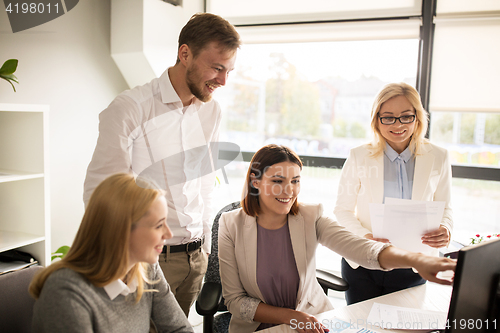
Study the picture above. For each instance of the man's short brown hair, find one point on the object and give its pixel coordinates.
(204, 28)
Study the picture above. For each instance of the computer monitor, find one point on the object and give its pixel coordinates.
(475, 298)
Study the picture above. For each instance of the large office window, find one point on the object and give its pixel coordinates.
(311, 86)
(313, 94)
(464, 102)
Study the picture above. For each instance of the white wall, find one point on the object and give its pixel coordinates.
(144, 35)
(66, 64)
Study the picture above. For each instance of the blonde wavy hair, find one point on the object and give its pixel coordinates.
(389, 91)
(100, 251)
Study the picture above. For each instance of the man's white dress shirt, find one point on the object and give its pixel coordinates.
(147, 131)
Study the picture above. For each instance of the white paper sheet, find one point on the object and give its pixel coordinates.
(396, 317)
(403, 222)
(336, 325)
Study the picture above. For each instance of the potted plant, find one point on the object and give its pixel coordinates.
(7, 72)
(60, 253)
(479, 238)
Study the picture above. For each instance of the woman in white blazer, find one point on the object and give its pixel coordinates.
(399, 163)
(267, 250)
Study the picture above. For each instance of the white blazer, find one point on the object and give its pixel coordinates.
(362, 182)
(238, 260)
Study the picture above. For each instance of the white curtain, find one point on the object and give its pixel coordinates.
(466, 57)
(278, 11)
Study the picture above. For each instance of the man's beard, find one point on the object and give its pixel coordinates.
(192, 78)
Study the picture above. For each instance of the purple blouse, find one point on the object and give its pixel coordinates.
(277, 275)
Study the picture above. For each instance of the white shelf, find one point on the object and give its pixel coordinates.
(11, 176)
(23, 107)
(11, 240)
(24, 183)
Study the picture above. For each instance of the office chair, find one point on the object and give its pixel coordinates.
(210, 300)
(16, 304)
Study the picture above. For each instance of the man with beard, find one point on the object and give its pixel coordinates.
(163, 130)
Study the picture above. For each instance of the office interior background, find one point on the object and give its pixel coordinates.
(305, 77)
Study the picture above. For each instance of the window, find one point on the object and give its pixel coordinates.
(472, 138)
(475, 208)
(310, 86)
(464, 103)
(314, 97)
(465, 108)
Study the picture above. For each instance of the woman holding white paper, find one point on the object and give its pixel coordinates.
(399, 163)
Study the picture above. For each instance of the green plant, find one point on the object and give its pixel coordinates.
(60, 252)
(7, 72)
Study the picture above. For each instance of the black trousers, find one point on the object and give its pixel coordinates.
(367, 283)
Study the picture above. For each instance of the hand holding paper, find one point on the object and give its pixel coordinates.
(404, 222)
(437, 238)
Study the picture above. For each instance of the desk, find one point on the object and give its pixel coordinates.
(430, 296)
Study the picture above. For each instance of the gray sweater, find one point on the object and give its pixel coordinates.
(70, 303)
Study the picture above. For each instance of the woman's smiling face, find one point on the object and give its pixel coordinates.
(397, 135)
(148, 235)
(278, 188)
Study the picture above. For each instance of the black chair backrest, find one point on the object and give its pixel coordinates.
(213, 274)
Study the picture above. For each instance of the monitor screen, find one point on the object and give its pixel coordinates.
(475, 297)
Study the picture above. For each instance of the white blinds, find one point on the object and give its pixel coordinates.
(466, 7)
(279, 11)
(321, 32)
(466, 64)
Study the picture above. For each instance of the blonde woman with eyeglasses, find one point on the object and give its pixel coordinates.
(110, 280)
(399, 163)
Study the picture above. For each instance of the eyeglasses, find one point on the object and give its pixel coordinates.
(402, 120)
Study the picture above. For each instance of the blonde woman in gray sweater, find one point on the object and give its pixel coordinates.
(110, 280)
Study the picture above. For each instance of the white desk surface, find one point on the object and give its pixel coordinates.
(430, 296)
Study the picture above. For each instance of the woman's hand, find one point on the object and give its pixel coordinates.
(428, 267)
(383, 240)
(297, 320)
(437, 238)
(306, 323)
